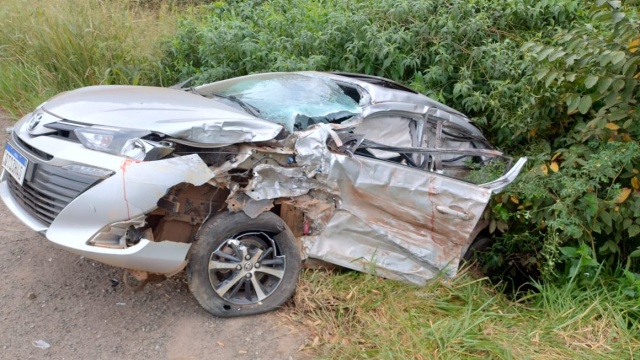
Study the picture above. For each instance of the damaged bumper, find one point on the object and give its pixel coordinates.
(126, 196)
(164, 258)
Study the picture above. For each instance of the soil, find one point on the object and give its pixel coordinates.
(82, 310)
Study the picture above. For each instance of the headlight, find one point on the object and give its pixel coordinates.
(123, 142)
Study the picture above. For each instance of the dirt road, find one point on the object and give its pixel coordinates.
(83, 311)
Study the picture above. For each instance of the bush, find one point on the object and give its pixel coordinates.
(466, 54)
(583, 193)
(550, 79)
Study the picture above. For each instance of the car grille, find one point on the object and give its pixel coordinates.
(33, 151)
(47, 189)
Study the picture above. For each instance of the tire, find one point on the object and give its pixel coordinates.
(255, 264)
(479, 245)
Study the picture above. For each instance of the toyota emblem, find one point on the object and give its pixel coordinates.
(35, 121)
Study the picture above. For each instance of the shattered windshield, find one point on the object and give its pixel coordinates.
(295, 100)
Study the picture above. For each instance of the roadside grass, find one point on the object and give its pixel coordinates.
(51, 46)
(355, 315)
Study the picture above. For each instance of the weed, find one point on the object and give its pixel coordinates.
(356, 315)
(58, 45)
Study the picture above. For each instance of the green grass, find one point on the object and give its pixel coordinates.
(47, 47)
(361, 316)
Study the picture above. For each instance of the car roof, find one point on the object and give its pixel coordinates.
(385, 90)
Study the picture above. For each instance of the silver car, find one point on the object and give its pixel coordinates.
(243, 181)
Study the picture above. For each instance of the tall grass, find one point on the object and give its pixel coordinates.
(56, 45)
(362, 316)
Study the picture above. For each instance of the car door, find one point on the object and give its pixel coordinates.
(399, 221)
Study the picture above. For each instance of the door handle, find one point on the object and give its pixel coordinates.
(453, 212)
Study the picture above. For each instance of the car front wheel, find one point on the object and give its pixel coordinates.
(242, 266)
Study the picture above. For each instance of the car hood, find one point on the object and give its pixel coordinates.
(172, 112)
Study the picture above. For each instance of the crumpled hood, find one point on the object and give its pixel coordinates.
(168, 111)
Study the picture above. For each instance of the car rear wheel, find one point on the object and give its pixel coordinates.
(479, 245)
(242, 266)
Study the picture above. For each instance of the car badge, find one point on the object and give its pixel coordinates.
(34, 121)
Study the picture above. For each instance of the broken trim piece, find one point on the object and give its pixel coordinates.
(500, 184)
(435, 150)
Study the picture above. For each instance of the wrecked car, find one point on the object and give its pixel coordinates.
(243, 181)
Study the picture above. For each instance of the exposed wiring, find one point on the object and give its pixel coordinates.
(209, 213)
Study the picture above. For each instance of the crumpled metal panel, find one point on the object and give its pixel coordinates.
(171, 112)
(312, 152)
(313, 158)
(271, 182)
(389, 223)
(401, 222)
(222, 133)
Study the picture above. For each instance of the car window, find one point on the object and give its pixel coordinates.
(295, 100)
(393, 137)
(474, 168)
(454, 165)
(388, 130)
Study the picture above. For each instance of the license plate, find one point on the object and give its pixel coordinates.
(14, 163)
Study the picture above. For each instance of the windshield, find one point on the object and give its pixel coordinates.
(293, 100)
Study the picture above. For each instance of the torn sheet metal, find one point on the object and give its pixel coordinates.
(403, 223)
(312, 151)
(313, 161)
(389, 221)
(500, 184)
(220, 133)
(271, 182)
(251, 207)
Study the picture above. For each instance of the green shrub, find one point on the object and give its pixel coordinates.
(466, 54)
(472, 56)
(580, 205)
(575, 215)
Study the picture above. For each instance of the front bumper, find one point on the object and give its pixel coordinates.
(130, 193)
